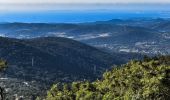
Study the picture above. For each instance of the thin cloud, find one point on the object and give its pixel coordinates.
(18, 5)
(80, 1)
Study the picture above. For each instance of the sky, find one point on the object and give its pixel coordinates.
(80, 10)
(19, 5)
(82, 1)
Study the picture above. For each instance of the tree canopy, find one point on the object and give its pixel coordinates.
(137, 80)
(3, 65)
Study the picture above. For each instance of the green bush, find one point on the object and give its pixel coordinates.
(3, 65)
(136, 80)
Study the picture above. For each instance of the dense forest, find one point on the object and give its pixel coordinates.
(137, 80)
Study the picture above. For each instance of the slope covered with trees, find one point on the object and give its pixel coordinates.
(31, 58)
(136, 80)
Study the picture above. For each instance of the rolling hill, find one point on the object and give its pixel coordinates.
(31, 58)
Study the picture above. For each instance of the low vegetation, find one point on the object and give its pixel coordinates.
(3, 65)
(137, 80)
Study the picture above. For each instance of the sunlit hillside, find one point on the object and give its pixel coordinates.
(136, 80)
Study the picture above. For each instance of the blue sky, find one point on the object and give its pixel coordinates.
(36, 5)
(80, 10)
(83, 1)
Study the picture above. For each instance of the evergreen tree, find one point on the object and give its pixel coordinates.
(3, 65)
(136, 80)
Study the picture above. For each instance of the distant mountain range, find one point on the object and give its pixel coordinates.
(143, 35)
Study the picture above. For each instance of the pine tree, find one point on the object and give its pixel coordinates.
(136, 80)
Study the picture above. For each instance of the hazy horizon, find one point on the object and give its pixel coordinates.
(33, 7)
(52, 11)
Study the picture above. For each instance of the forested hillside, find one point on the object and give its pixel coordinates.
(137, 80)
(57, 57)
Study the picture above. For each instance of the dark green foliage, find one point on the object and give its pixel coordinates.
(3, 65)
(54, 56)
(136, 80)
